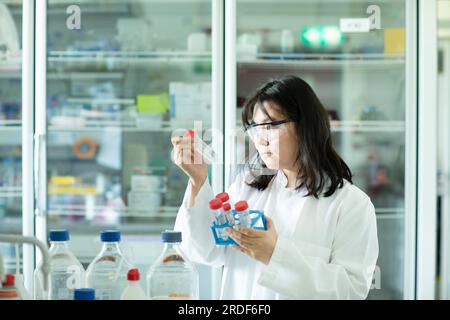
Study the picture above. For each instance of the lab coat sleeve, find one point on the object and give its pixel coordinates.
(195, 224)
(348, 273)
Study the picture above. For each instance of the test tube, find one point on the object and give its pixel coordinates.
(226, 206)
(201, 147)
(241, 208)
(227, 210)
(216, 206)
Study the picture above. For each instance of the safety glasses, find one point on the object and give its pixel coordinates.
(267, 130)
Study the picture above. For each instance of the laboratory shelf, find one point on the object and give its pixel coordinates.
(67, 76)
(390, 213)
(10, 126)
(11, 75)
(12, 2)
(367, 126)
(277, 3)
(11, 225)
(10, 132)
(80, 228)
(321, 60)
(74, 76)
(10, 67)
(65, 2)
(100, 101)
(123, 126)
(10, 192)
(10, 62)
(128, 56)
(83, 211)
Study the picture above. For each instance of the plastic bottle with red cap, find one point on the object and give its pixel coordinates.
(8, 290)
(243, 214)
(201, 147)
(133, 291)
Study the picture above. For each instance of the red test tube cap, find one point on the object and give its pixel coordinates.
(241, 205)
(223, 196)
(215, 204)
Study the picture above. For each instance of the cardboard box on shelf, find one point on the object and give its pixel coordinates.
(151, 109)
(190, 101)
(394, 40)
(153, 103)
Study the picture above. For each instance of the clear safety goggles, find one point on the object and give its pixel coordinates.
(266, 131)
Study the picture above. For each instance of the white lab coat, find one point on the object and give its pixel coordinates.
(327, 248)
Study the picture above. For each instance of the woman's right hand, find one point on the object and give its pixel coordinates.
(190, 161)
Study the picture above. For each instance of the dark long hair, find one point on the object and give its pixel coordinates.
(316, 156)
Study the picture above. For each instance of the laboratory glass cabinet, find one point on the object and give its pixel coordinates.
(113, 80)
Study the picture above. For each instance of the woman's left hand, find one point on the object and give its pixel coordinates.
(257, 244)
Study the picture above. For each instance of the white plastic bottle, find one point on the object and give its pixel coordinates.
(21, 290)
(201, 147)
(107, 273)
(172, 276)
(133, 291)
(66, 272)
(287, 41)
(241, 208)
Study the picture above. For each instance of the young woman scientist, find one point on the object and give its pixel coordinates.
(321, 239)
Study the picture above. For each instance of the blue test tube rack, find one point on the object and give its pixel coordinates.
(258, 222)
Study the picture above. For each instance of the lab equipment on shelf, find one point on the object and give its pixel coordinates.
(146, 192)
(66, 272)
(133, 291)
(197, 42)
(107, 273)
(172, 276)
(287, 42)
(190, 101)
(9, 37)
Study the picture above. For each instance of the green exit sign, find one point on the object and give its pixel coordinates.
(321, 37)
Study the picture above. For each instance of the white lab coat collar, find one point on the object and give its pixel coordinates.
(282, 181)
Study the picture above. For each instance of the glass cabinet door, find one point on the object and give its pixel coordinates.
(444, 149)
(354, 55)
(121, 77)
(10, 124)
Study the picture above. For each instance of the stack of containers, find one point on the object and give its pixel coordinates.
(146, 192)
